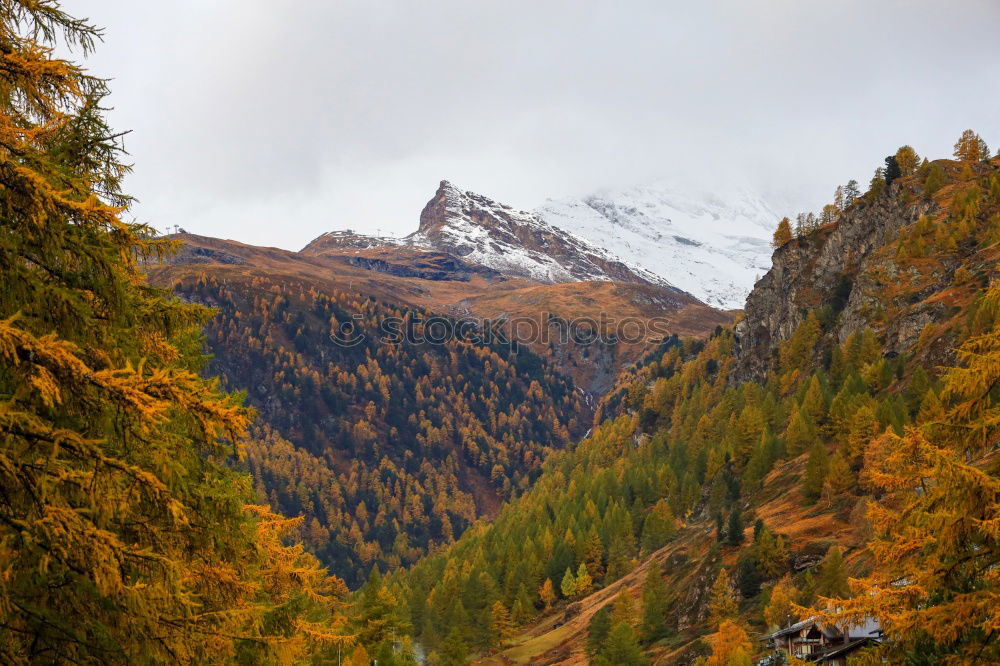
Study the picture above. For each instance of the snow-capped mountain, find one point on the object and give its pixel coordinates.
(482, 231)
(479, 231)
(711, 246)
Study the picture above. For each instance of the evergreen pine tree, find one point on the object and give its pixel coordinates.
(734, 531)
(621, 648)
(851, 192)
(832, 580)
(654, 605)
(812, 481)
(748, 575)
(598, 630)
(454, 652)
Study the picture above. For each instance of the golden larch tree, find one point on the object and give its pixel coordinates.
(125, 535)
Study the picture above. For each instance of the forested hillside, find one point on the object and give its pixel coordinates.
(827, 437)
(191, 428)
(387, 448)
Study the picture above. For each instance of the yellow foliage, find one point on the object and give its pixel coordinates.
(730, 645)
(934, 587)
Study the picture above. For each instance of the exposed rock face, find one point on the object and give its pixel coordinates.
(428, 266)
(515, 243)
(201, 255)
(839, 265)
(345, 239)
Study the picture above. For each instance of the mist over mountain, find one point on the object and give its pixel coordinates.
(712, 246)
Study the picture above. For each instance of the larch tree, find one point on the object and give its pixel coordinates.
(839, 478)
(907, 160)
(501, 626)
(621, 648)
(778, 612)
(934, 586)
(598, 629)
(970, 147)
(623, 610)
(568, 584)
(721, 602)
(815, 474)
(583, 580)
(783, 234)
(454, 652)
(658, 527)
(832, 580)
(772, 554)
(547, 593)
(124, 534)
(730, 646)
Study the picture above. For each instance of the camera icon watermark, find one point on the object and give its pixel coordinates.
(349, 333)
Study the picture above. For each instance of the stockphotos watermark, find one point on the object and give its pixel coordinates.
(544, 328)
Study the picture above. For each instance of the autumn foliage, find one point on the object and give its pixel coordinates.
(124, 535)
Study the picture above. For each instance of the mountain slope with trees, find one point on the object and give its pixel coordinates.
(765, 467)
(387, 448)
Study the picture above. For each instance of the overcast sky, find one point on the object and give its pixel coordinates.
(272, 122)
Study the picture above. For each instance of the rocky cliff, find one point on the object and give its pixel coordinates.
(840, 271)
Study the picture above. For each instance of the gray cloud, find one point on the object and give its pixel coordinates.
(271, 122)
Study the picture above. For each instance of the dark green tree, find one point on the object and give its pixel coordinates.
(892, 170)
(454, 652)
(598, 629)
(815, 474)
(832, 579)
(734, 531)
(654, 605)
(621, 648)
(748, 577)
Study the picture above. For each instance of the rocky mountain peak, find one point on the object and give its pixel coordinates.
(453, 207)
(516, 243)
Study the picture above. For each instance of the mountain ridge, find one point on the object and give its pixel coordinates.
(479, 230)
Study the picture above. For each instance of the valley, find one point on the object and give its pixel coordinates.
(635, 425)
(390, 451)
